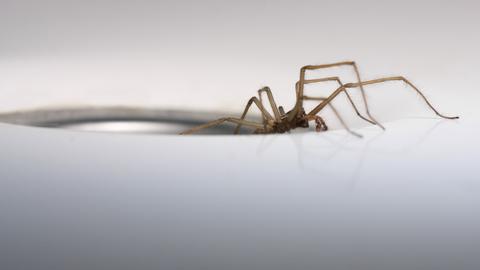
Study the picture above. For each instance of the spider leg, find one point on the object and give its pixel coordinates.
(337, 79)
(265, 114)
(357, 74)
(381, 80)
(275, 109)
(222, 120)
(337, 114)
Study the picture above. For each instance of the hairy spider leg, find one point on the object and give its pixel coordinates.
(316, 67)
(222, 120)
(265, 114)
(381, 80)
(273, 104)
(337, 79)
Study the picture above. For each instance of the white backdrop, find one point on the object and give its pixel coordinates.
(214, 55)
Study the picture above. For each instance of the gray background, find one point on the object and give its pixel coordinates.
(216, 54)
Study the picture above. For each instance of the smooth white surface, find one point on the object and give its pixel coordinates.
(407, 198)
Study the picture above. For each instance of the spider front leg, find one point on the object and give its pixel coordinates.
(381, 80)
(346, 63)
(337, 79)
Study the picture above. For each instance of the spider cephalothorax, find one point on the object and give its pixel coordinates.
(285, 125)
(301, 120)
(281, 122)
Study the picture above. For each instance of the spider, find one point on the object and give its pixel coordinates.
(282, 121)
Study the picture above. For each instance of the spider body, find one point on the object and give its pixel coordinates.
(281, 122)
(299, 119)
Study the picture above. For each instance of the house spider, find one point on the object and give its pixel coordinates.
(282, 121)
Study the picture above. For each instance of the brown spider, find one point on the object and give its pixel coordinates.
(282, 122)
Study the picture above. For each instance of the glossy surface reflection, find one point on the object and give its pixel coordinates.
(407, 198)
